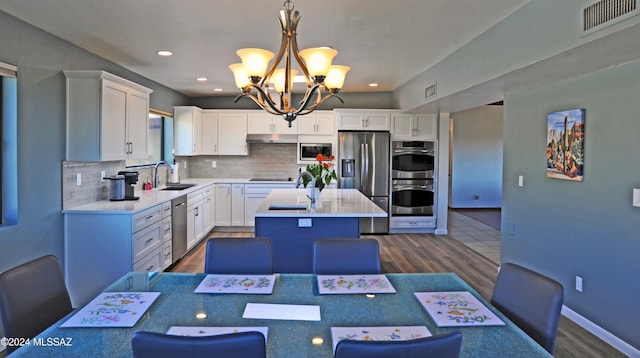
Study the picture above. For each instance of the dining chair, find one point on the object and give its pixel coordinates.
(233, 345)
(440, 346)
(249, 256)
(33, 296)
(532, 301)
(346, 256)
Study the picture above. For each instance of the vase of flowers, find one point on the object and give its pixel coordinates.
(322, 171)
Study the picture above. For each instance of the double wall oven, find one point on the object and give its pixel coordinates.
(412, 175)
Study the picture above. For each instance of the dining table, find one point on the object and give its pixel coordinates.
(178, 305)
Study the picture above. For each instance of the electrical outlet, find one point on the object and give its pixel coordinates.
(520, 181)
(213, 164)
(78, 179)
(185, 164)
(102, 173)
(512, 228)
(578, 283)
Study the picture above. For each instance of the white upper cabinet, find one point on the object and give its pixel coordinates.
(209, 132)
(261, 122)
(317, 123)
(355, 119)
(414, 126)
(107, 117)
(187, 124)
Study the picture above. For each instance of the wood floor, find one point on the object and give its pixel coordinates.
(409, 253)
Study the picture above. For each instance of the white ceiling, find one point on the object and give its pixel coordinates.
(384, 41)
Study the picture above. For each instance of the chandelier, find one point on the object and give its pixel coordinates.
(253, 78)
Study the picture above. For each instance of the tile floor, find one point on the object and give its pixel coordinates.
(479, 236)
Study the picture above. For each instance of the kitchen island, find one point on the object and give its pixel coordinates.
(292, 223)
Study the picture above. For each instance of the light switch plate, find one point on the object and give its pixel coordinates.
(636, 197)
(520, 181)
(78, 179)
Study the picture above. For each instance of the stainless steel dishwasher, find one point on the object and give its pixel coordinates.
(179, 227)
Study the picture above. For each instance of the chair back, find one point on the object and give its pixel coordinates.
(346, 256)
(532, 301)
(234, 345)
(249, 256)
(33, 296)
(441, 346)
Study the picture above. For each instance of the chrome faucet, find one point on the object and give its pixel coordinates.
(156, 180)
(312, 198)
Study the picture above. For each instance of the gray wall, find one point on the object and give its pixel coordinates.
(476, 158)
(590, 229)
(41, 58)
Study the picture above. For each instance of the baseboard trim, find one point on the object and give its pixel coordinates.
(600, 332)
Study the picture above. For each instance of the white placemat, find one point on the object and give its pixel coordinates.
(353, 284)
(458, 308)
(247, 284)
(113, 309)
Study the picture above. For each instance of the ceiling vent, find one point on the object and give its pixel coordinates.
(430, 91)
(607, 12)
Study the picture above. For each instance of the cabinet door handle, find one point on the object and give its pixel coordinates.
(197, 212)
(149, 268)
(149, 240)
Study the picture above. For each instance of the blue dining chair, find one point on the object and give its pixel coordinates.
(233, 345)
(248, 256)
(532, 301)
(33, 296)
(346, 256)
(440, 346)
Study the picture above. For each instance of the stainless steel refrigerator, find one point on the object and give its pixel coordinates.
(363, 164)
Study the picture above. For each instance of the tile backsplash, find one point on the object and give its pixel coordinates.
(265, 160)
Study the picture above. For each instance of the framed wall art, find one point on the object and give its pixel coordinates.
(565, 144)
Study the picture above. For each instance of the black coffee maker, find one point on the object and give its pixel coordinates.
(130, 179)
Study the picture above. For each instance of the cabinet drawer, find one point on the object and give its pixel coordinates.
(146, 241)
(166, 209)
(146, 218)
(166, 229)
(166, 254)
(150, 263)
(412, 222)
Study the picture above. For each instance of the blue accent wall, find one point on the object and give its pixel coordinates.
(590, 229)
(40, 58)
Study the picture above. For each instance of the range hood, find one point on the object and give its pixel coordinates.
(272, 138)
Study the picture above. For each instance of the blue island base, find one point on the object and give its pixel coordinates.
(293, 238)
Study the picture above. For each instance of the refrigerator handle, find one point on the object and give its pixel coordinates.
(363, 155)
(366, 163)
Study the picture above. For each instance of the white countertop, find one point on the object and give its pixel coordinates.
(332, 203)
(148, 198)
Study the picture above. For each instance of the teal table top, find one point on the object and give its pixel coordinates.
(177, 305)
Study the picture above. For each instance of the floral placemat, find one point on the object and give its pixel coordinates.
(353, 284)
(195, 331)
(113, 309)
(459, 308)
(247, 284)
(391, 333)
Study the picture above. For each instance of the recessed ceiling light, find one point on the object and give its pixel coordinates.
(373, 85)
(201, 79)
(217, 90)
(164, 53)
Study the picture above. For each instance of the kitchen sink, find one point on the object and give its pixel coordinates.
(178, 186)
(287, 207)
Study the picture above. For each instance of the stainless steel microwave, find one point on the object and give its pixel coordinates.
(309, 151)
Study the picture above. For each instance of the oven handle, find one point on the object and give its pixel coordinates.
(398, 187)
(414, 151)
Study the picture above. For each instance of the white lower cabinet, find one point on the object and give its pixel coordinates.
(237, 205)
(412, 222)
(222, 205)
(167, 236)
(102, 247)
(199, 215)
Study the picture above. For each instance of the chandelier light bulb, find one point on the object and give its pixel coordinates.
(255, 62)
(318, 60)
(278, 79)
(240, 76)
(335, 77)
